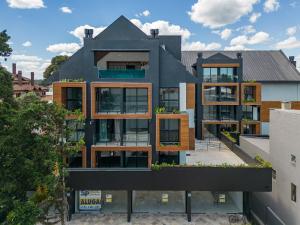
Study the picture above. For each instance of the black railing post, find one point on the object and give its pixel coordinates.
(188, 206)
(129, 205)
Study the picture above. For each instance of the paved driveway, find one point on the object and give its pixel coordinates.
(151, 219)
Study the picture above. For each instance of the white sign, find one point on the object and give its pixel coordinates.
(89, 200)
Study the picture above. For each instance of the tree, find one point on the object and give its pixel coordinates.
(55, 62)
(6, 88)
(5, 50)
(32, 158)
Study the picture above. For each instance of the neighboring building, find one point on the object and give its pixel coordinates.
(139, 104)
(281, 206)
(23, 85)
(272, 77)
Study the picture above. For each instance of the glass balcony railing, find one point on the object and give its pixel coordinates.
(221, 79)
(120, 74)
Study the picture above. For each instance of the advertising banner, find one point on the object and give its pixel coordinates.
(89, 200)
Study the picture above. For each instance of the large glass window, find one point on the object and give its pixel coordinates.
(76, 130)
(220, 94)
(169, 157)
(121, 159)
(136, 100)
(251, 112)
(136, 159)
(249, 129)
(73, 98)
(211, 94)
(108, 100)
(169, 99)
(136, 132)
(210, 112)
(219, 74)
(132, 132)
(169, 131)
(122, 100)
(249, 94)
(227, 112)
(108, 132)
(75, 160)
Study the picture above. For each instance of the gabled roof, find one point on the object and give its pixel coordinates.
(263, 66)
(121, 29)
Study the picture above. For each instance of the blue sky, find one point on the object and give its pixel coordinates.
(41, 29)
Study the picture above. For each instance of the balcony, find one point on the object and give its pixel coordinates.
(122, 74)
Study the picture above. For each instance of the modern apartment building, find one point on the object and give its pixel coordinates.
(266, 79)
(140, 104)
(281, 206)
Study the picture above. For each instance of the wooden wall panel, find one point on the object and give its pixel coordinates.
(83, 152)
(96, 115)
(59, 94)
(95, 149)
(184, 132)
(265, 109)
(191, 138)
(296, 105)
(237, 93)
(257, 87)
(190, 96)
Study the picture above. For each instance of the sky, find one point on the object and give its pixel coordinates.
(42, 29)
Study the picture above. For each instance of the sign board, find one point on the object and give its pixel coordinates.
(89, 200)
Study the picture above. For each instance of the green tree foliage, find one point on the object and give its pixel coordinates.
(32, 158)
(6, 89)
(5, 50)
(55, 62)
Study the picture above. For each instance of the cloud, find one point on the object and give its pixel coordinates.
(79, 31)
(144, 13)
(271, 5)
(226, 33)
(31, 63)
(26, 4)
(63, 48)
(236, 48)
(254, 17)
(291, 31)
(165, 28)
(66, 9)
(197, 46)
(218, 13)
(288, 43)
(246, 29)
(257, 38)
(27, 44)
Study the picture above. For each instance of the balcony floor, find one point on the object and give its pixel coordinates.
(212, 153)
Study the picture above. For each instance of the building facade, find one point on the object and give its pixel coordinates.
(142, 109)
(281, 206)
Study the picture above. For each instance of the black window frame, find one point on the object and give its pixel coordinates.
(78, 130)
(209, 77)
(165, 99)
(70, 100)
(167, 132)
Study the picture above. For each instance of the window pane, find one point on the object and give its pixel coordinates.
(169, 99)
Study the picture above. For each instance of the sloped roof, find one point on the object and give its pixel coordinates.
(257, 65)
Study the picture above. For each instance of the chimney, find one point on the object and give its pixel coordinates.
(239, 55)
(154, 33)
(88, 33)
(200, 55)
(14, 68)
(32, 78)
(19, 77)
(286, 105)
(292, 60)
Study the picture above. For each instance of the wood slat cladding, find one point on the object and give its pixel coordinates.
(224, 65)
(59, 96)
(184, 132)
(265, 109)
(191, 138)
(237, 93)
(256, 123)
(190, 96)
(95, 149)
(96, 115)
(295, 105)
(257, 96)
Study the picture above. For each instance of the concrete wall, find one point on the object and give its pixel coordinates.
(284, 141)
